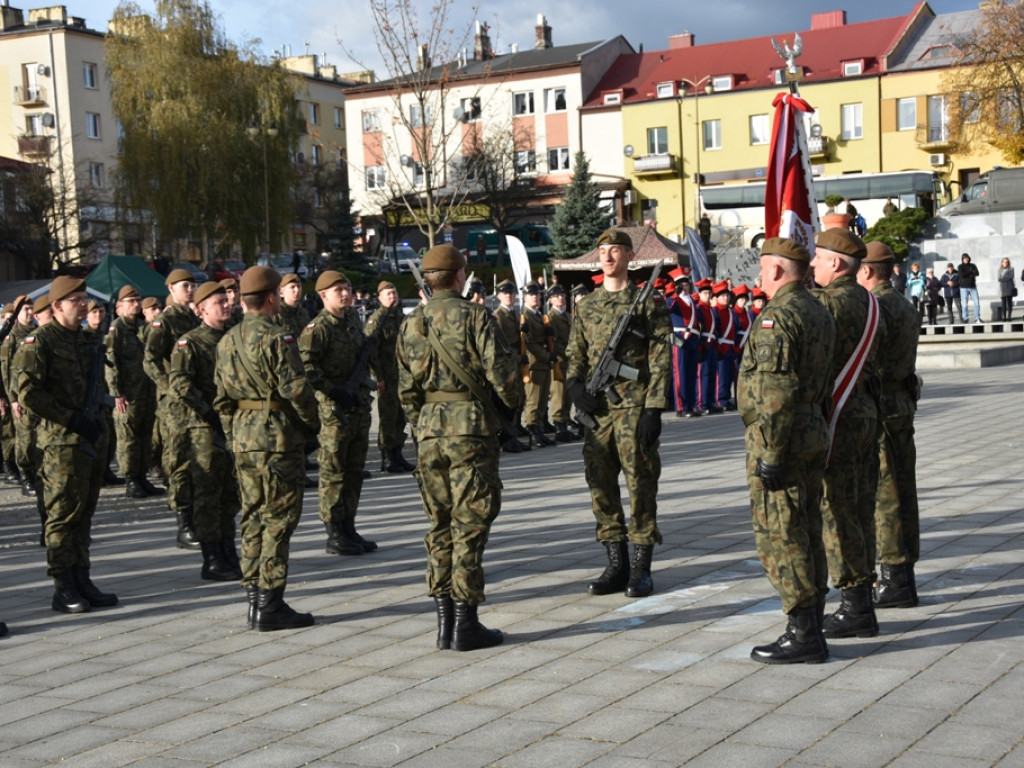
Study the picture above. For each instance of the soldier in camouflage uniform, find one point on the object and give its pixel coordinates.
(191, 386)
(851, 476)
(383, 326)
(507, 318)
(267, 409)
(235, 313)
(25, 424)
(538, 359)
(54, 370)
(781, 396)
(151, 309)
(456, 435)
(292, 316)
(23, 327)
(561, 326)
(96, 330)
(173, 323)
(627, 432)
(897, 525)
(134, 395)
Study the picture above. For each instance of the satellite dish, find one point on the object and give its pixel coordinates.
(628, 150)
(405, 160)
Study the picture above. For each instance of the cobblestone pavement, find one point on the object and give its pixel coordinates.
(171, 678)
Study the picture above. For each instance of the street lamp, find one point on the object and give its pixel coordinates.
(258, 128)
(709, 88)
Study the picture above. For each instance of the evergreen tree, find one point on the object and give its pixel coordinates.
(579, 220)
(344, 222)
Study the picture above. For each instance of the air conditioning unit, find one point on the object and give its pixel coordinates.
(937, 158)
(629, 197)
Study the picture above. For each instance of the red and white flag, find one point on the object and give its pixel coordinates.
(790, 209)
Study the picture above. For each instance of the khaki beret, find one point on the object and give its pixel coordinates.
(506, 286)
(329, 278)
(127, 292)
(206, 290)
(291, 277)
(94, 304)
(841, 241)
(878, 253)
(786, 248)
(63, 286)
(229, 284)
(443, 257)
(259, 280)
(615, 237)
(384, 285)
(149, 302)
(41, 304)
(16, 302)
(179, 275)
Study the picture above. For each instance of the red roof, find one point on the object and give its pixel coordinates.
(752, 62)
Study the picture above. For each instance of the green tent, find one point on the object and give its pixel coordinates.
(116, 271)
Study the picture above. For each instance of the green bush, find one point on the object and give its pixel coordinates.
(898, 230)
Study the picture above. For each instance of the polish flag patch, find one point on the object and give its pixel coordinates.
(767, 323)
(182, 342)
(288, 338)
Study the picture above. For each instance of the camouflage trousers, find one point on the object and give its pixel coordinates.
(174, 432)
(135, 437)
(271, 487)
(848, 502)
(8, 438)
(391, 418)
(897, 523)
(535, 412)
(342, 457)
(613, 447)
(461, 490)
(787, 528)
(70, 481)
(214, 490)
(26, 450)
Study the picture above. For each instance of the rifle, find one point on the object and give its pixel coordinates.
(608, 368)
(94, 394)
(469, 282)
(5, 331)
(419, 280)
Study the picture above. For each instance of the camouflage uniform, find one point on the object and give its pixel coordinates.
(191, 385)
(613, 446)
(781, 393)
(561, 325)
(267, 408)
(538, 388)
(292, 319)
(458, 448)
(391, 428)
(848, 499)
(126, 378)
(26, 428)
(234, 318)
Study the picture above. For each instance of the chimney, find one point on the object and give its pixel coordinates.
(482, 43)
(543, 32)
(423, 57)
(828, 20)
(684, 40)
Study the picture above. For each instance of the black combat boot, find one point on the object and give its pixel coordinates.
(514, 445)
(547, 427)
(13, 474)
(348, 526)
(110, 479)
(855, 616)
(616, 574)
(3, 629)
(66, 597)
(538, 439)
(90, 591)
(227, 548)
(148, 487)
(640, 582)
(801, 643)
(398, 462)
(895, 587)
(562, 433)
(338, 543)
(273, 613)
(252, 594)
(28, 483)
(215, 567)
(445, 620)
(133, 489)
(186, 531)
(469, 634)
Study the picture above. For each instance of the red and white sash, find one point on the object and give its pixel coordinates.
(847, 379)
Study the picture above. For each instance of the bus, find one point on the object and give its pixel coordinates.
(737, 210)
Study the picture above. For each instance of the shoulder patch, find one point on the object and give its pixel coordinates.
(156, 324)
(767, 323)
(288, 338)
(311, 325)
(111, 329)
(182, 342)
(29, 340)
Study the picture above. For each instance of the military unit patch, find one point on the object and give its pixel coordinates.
(767, 323)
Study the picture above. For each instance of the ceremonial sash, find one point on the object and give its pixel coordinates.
(848, 376)
(724, 338)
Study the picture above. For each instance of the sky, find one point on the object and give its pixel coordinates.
(343, 29)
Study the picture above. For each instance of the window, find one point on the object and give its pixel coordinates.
(316, 154)
(906, 114)
(760, 129)
(666, 90)
(612, 98)
(810, 120)
(938, 119)
(318, 199)
(526, 161)
(89, 75)
(119, 128)
(92, 125)
(34, 124)
(419, 176)
(339, 117)
(554, 99)
(970, 107)
(375, 177)
(712, 134)
(558, 159)
(371, 121)
(522, 103)
(722, 83)
(419, 115)
(1008, 102)
(657, 141)
(470, 109)
(853, 68)
(96, 175)
(314, 113)
(780, 76)
(852, 122)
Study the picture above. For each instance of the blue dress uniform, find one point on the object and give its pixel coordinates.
(707, 352)
(684, 358)
(726, 346)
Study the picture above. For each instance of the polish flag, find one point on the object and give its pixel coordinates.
(789, 206)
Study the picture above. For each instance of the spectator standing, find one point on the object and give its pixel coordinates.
(915, 287)
(969, 288)
(898, 280)
(951, 290)
(932, 294)
(1007, 290)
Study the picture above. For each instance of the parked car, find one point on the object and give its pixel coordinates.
(282, 262)
(197, 274)
(222, 270)
(402, 254)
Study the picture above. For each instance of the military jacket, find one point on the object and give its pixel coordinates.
(234, 318)
(898, 336)
(785, 377)
(258, 360)
(191, 378)
(292, 319)
(535, 337)
(53, 367)
(169, 326)
(648, 349)
(508, 323)
(385, 323)
(330, 348)
(469, 333)
(8, 349)
(125, 350)
(561, 327)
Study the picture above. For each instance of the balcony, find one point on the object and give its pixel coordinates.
(29, 95)
(654, 164)
(932, 138)
(817, 147)
(34, 146)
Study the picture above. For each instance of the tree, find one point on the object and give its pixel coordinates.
(898, 230)
(985, 86)
(207, 128)
(579, 220)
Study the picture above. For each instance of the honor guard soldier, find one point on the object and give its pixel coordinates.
(561, 326)
(20, 468)
(60, 379)
(707, 351)
(725, 344)
(268, 410)
(293, 316)
(897, 523)
(851, 474)
(782, 392)
(507, 318)
(383, 326)
(685, 325)
(628, 424)
(452, 361)
(536, 360)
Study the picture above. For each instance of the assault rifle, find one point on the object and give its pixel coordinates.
(95, 394)
(608, 368)
(420, 281)
(5, 331)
